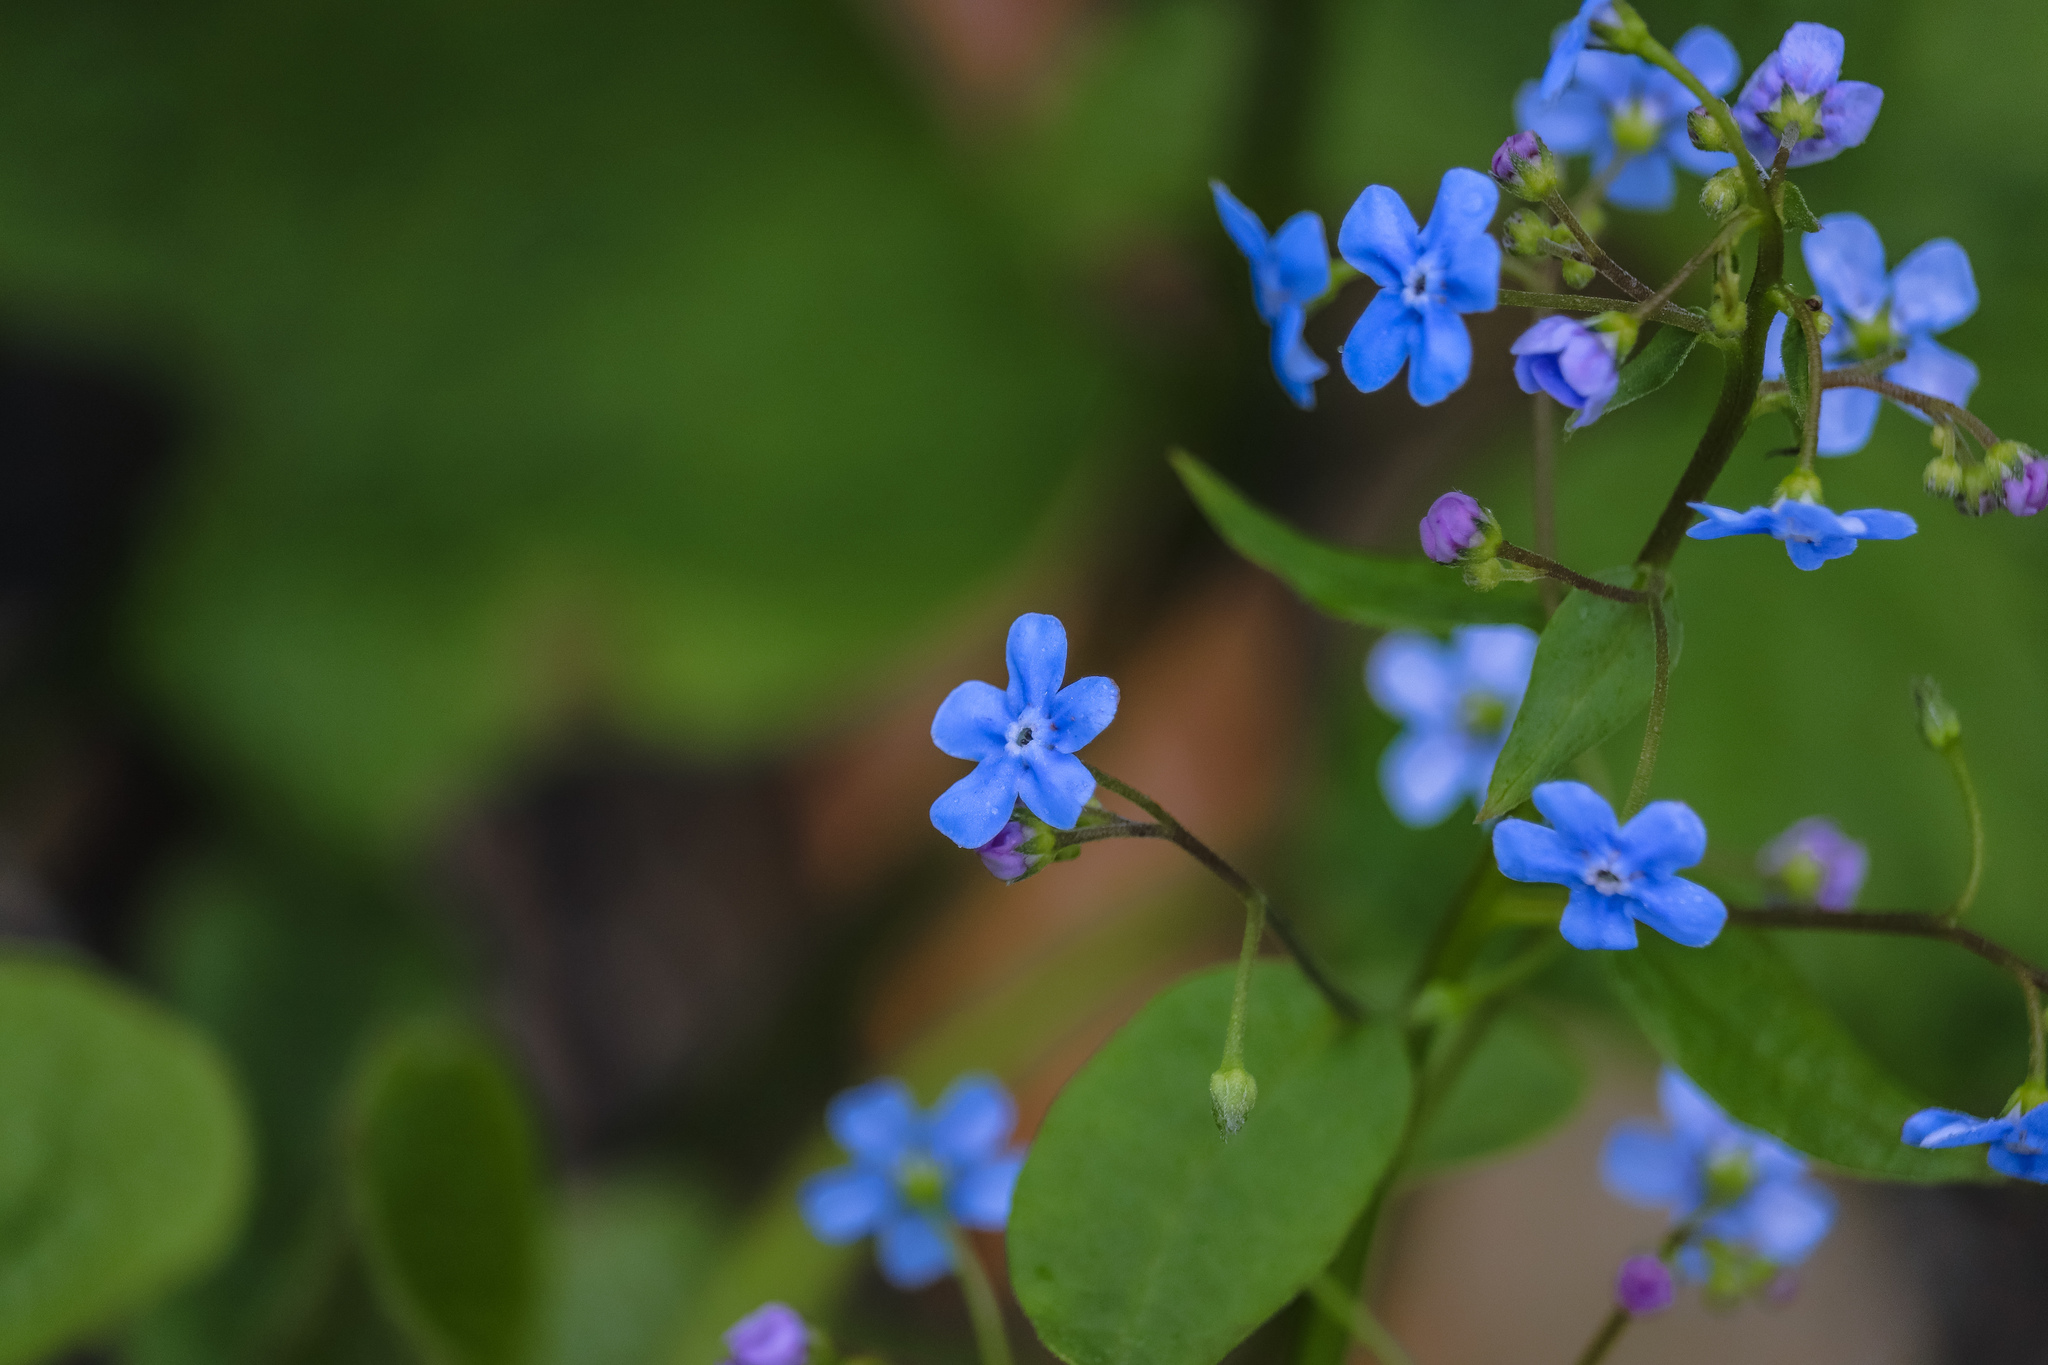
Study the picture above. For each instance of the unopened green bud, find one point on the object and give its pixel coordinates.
(1578, 274)
(1801, 485)
(2031, 1095)
(1982, 486)
(1706, 134)
(1728, 319)
(1943, 475)
(2008, 457)
(1627, 32)
(1940, 726)
(1232, 1094)
(1723, 194)
(1524, 233)
(1621, 326)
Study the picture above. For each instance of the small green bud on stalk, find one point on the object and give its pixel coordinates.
(1982, 486)
(1707, 135)
(1578, 274)
(1801, 485)
(1524, 233)
(1723, 194)
(1943, 475)
(1232, 1094)
(2008, 458)
(1940, 726)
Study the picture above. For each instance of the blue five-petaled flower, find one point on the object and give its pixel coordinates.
(1457, 701)
(1290, 270)
(1813, 534)
(1619, 106)
(915, 1173)
(1427, 277)
(1619, 875)
(1022, 739)
(1569, 41)
(1745, 1188)
(2019, 1141)
(1799, 86)
(1876, 313)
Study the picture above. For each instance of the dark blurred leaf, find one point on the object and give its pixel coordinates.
(1594, 670)
(1523, 1080)
(1739, 1020)
(124, 1155)
(444, 1182)
(629, 1256)
(1654, 366)
(1798, 217)
(1368, 590)
(1140, 1236)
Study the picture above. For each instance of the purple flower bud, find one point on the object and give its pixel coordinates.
(1521, 145)
(1524, 166)
(1004, 855)
(773, 1334)
(1571, 362)
(1816, 863)
(1643, 1286)
(1454, 525)
(2027, 492)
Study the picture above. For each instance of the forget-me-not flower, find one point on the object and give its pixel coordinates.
(1571, 362)
(1876, 313)
(1800, 86)
(1290, 270)
(1427, 277)
(1816, 864)
(773, 1334)
(914, 1172)
(1569, 41)
(1813, 534)
(1618, 105)
(1022, 739)
(1745, 1189)
(1458, 701)
(1619, 875)
(2019, 1141)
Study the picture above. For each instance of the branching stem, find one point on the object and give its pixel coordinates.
(1595, 256)
(1909, 923)
(1809, 430)
(1668, 313)
(1741, 223)
(1858, 378)
(1550, 568)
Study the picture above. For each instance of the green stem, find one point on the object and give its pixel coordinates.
(1653, 728)
(1595, 256)
(2037, 1036)
(1241, 994)
(1907, 923)
(1550, 568)
(1669, 313)
(1741, 223)
(1809, 431)
(1974, 814)
(1603, 1340)
(1857, 378)
(1350, 1312)
(991, 1337)
(1655, 53)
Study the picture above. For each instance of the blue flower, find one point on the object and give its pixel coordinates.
(773, 1334)
(914, 1174)
(1813, 534)
(1457, 700)
(1745, 1189)
(2019, 1142)
(1022, 740)
(1618, 874)
(1875, 313)
(1427, 277)
(1569, 41)
(1290, 270)
(1800, 85)
(1621, 106)
(1571, 362)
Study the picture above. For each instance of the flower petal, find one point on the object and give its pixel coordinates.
(1846, 260)
(974, 809)
(1952, 1128)
(1810, 56)
(1787, 1218)
(913, 1252)
(1443, 356)
(1301, 257)
(1774, 348)
(1055, 786)
(1645, 183)
(1691, 1111)
(1080, 711)
(980, 1196)
(1678, 146)
(1710, 57)
(1465, 201)
(2020, 1165)
(1423, 775)
(1811, 554)
(1468, 273)
(1294, 364)
(1685, 912)
(1574, 122)
(1037, 654)
(1580, 814)
(1496, 658)
(1876, 523)
(1725, 521)
(1933, 368)
(1529, 852)
(1239, 222)
(1412, 678)
(1933, 288)
(972, 721)
(1663, 837)
(1380, 341)
(971, 1121)
(1597, 923)
(1847, 114)
(875, 1121)
(846, 1204)
(1379, 236)
(1847, 417)
(1649, 1168)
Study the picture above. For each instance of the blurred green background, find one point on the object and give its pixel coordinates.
(480, 473)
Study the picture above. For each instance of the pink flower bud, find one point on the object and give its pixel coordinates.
(1643, 1286)
(1454, 525)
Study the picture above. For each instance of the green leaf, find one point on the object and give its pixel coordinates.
(1798, 217)
(1523, 1080)
(444, 1182)
(1139, 1235)
(1793, 352)
(1594, 670)
(1367, 590)
(1741, 1021)
(1654, 366)
(124, 1155)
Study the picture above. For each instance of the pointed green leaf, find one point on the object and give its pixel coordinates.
(124, 1155)
(445, 1185)
(1654, 366)
(1793, 352)
(1367, 590)
(1740, 1020)
(1140, 1236)
(1594, 671)
(1798, 217)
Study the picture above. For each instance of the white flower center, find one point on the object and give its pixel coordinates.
(1603, 876)
(1030, 728)
(1415, 284)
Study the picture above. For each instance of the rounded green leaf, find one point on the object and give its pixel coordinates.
(445, 1185)
(1523, 1079)
(124, 1155)
(1139, 1235)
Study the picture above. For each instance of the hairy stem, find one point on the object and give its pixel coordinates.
(1973, 812)
(1550, 568)
(1545, 422)
(1653, 728)
(1668, 313)
(1909, 923)
(1655, 53)
(1350, 1312)
(1595, 256)
(991, 1338)
(1241, 993)
(1858, 378)
(1809, 430)
(1741, 223)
